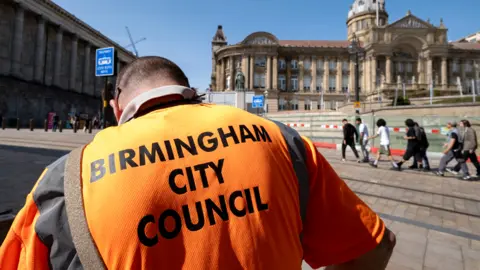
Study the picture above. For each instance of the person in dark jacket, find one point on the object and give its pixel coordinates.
(413, 145)
(423, 146)
(469, 147)
(350, 135)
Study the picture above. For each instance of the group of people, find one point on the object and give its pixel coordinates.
(461, 145)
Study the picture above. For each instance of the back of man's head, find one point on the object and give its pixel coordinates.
(146, 73)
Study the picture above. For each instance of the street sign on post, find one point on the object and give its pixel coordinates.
(258, 101)
(105, 62)
(356, 105)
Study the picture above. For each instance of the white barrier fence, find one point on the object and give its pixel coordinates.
(241, 100)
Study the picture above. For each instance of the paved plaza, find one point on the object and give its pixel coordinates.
(436, 220)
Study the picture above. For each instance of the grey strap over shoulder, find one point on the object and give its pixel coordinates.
(86, 249)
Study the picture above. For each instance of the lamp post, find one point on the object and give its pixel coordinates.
(355, 50)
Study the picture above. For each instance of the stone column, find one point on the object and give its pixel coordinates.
(444, 72)
(17, 45)
(351, 77)
(252, 61)
(58, 57)
(421, 71)
(218, 75)
(373, 77)
(368, 73)
(326, 75)
(364, 77)
(245, 69)
(268, 76)
(222, 75)
(429, 70)
(388, 69)
(463, 64)
(300, 73)
(232, 73)
(86, 69)
(73, 63)
(275, 72)
(40, 50)
(313, 86)
(339, 75)
(476, 69)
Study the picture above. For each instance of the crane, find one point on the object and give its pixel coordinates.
(132, 44)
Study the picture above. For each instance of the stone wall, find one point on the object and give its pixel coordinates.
(28, 100)
(7, 15)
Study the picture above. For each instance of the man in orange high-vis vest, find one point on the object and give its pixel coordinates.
(179, 184)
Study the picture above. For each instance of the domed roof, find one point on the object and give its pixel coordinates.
(362, 6)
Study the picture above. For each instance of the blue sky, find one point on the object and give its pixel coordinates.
(182, 30)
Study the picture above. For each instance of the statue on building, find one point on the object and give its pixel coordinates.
(239, 81)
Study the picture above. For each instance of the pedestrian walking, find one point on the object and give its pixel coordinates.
(384, 133)
(350, 135)
(452, 149)
(86, 125)
(363, 140)
(423, 146)
(181, 185)
(56, 119)
(469, 143)
(413, 145)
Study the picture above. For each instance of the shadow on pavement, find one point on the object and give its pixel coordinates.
(34, 150)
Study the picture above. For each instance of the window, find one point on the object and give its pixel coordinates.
(345, 83)
(319, 86)
(364, 24)
(294, 64)
(307, 80)
(281, 64)
(260, 61)
(400, 67)
(256, 80)
(333, 65)
(294, 103)
(359, 25)
(345, 66)
(455, 66)
(282, 82)
(227, 82)
(294, 81)
(281, 104)
(262, 80)
(468, 66)
(331, 83)
(308, 105)
(238, 63)
(320, 64)
(409, 67)
(307, 64)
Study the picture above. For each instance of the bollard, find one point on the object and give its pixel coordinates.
(18, 123)
(60, 126)
(90, 126)
(31, 124)
(75, 127)
(45, 125)
(4, 122)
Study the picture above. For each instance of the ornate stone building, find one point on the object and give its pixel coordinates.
(304, 74)
(47, 61)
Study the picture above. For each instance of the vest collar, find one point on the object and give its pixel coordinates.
(132, 107)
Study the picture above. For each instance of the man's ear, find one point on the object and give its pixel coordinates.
(116, 109)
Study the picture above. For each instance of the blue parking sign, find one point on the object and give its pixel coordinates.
(258, 101)
(105, 62)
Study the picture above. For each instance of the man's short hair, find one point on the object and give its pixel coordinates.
(453, 124)
(344, 120)
(409, 123)
(381, 122)
(359, 120)
(149, 68)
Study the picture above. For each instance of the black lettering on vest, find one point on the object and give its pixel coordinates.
(221, 211)
(248, 197)
(190, 147)
(233, 208)
(246, 134)
(151, 155)
(191, 179)
(203, 175)
(111, 163)
(224, 136)
(97, 170)
(149, 242)
(126, 157)
(177, 226)
(212, 142)
(173, 185)
(168, 146)
(261, 133)
(260, 205)
(218, 169)
(188, 218)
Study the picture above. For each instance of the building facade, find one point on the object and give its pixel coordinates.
(473, 38)
(319, 74)
(47, 61)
